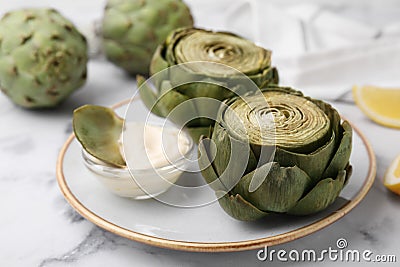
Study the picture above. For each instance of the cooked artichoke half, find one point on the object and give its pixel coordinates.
(276, 151)
(191, 45)
(194, 63)
(99, 129)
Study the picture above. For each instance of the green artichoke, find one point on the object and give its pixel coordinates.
(43, 57)
(197, 63)
(297, 159)
(132, 30)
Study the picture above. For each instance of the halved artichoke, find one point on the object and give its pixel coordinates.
(276, 152)
(231, 55)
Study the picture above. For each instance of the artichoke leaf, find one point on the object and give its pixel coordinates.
(268, 77)
(349, 172)
(228, 154)
(175, 106)
(206, 88)
(158, 63)
(283, 89)
(342, 155)
(321, 196)
(280, 190)
(206, 166)
(148, 96)
(196, 132)
(98, 129)
(333, 115)
(206, 110)
(316, 162)
(313, 164)
(237, 207)
(162, 104)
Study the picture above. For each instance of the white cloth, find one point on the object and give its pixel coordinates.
(321, 49)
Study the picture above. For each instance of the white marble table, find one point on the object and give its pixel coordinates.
(39, 228)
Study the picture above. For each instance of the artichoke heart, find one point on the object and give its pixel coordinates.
(294, 153)
(193, 64)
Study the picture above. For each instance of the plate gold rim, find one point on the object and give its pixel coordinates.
(220, 246)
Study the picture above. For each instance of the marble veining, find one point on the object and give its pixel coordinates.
(72, 215)
(17, 144)
(94, 242)
(68, 128)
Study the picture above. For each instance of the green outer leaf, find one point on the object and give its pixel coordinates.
(147, 95)
(315, 163)
(342, 155)
(282, 89)
(207, 168)
(223, 149)
(197, 132)
(333, 116)
(281, 189)
(206, 110)
(321, 196)
(238, 208)
(158, 63)
(225, 162)
(98, 129)
(169, 100)
(268, 77)
(206, 88)
(170, 43)
(349, 172)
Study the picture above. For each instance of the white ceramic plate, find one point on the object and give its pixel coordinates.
(206, 228)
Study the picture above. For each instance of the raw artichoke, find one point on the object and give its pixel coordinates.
(42, 57)
(132, 29)
(198, 63)
(276, 152)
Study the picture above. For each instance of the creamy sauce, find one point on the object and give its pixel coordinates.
(151, 146)
(154, 155)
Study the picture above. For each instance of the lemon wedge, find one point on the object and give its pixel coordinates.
(381, 105)
(392, 176)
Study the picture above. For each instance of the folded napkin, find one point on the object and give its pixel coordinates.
(322, 49)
